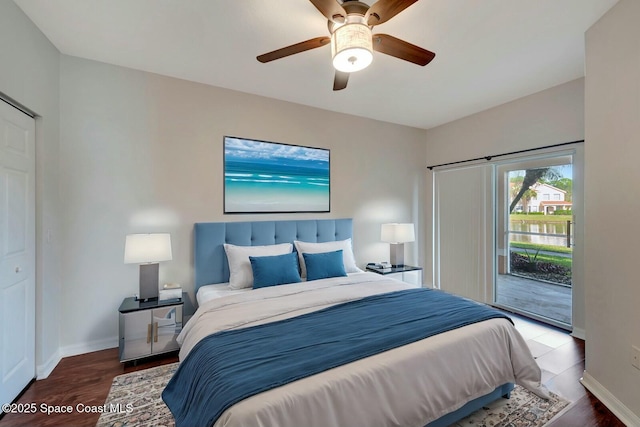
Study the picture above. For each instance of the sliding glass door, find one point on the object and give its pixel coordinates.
(534, 238)
(508, 232)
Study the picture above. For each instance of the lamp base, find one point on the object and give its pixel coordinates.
(396, 251)
(148, 281)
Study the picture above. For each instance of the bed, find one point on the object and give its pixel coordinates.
(431, 381)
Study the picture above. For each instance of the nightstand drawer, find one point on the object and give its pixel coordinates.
(408, 273)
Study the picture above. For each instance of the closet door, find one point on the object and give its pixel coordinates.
(17, 251)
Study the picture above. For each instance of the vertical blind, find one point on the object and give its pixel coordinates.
(464, 231)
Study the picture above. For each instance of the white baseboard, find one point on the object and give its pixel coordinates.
(45, 369)
(579, 333)
(88, 347)
(618, 408)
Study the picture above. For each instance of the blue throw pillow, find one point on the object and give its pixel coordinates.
(274, 270)
(324, 265)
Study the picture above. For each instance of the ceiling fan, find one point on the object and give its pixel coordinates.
(352, 42)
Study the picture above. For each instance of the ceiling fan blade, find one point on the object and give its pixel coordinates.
(401, 49)
(383, 10)
(340, 80)
(331, 9)
(293, 49)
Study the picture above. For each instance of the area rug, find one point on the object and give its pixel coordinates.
(134, 401)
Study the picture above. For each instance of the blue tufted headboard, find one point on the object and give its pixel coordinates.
(210, 259)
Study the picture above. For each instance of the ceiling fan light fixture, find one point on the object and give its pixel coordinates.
(351, 47)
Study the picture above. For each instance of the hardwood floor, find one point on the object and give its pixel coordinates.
(561, 358)
(86, 379)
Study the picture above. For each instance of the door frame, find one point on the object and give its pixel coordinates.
(23, 261)
(543, 159)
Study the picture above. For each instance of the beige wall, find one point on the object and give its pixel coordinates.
(612, 93)
(29, 74)
(143, 153)
(553, 116)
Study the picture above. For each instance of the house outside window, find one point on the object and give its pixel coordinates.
(546, 199)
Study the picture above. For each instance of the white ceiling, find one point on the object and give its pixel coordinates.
(488, 52)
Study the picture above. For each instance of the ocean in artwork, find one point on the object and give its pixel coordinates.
(270, 177)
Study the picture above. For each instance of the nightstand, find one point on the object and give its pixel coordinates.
(406, 273)
(149, 328)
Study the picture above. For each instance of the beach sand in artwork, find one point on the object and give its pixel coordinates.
(252, 199)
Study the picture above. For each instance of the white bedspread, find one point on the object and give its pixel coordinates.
(407, 386)
(219, 290)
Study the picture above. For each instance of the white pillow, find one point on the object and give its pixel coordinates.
(240, 273)
(316, 248)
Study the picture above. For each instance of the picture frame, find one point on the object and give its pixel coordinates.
(272, 177)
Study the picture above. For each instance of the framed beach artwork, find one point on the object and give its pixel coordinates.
(270, 177)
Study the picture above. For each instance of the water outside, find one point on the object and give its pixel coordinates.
(538, 227)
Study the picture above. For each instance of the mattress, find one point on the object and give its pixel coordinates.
(410, 385)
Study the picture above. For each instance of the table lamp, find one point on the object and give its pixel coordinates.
(148, 250)
(397, 235)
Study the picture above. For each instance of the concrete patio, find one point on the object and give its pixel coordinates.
(541, 299)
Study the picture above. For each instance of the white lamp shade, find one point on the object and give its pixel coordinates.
(397, 233)
(351, 47)
(142, 248)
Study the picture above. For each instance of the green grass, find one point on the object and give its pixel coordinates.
(531, 249)
(559, 260)
(540, 218)
(536, 246)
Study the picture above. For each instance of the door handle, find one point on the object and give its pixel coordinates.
(148, 333)
(155, 335)
(18, 269)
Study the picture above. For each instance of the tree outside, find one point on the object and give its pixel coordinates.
(531, 177)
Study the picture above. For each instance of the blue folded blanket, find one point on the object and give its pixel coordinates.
(229, 366)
